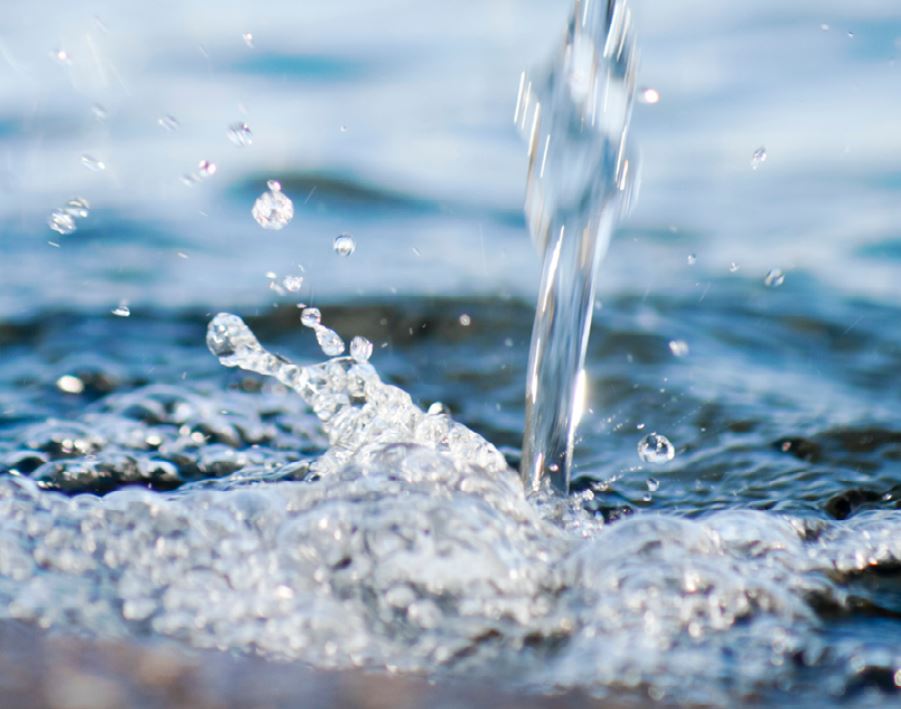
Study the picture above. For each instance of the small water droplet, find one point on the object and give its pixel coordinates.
(329, 341)
(240, 134)
(733, 267)
(205, 169)
(168, 122)
(824, 27)
(758, 157)
(61, 222)
(850, 35)
(640, 426)
(93, 164)
(273, 209)
(648, 95)
(508, 342)
(692, 259)
(343, 128)
(774, 278)
(465, 320)
(70, 384)
(122, 310)
(360, 349)
(61, 56)
(655, 448)
(100, 112)
(292, 284)
(653, 484)
(344, 245)
(77, 207)
(310, 317)
(248, 39)
(679, 348)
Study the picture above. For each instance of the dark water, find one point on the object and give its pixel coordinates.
(761, 564)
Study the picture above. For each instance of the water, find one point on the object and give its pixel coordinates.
(576, 121)
(150, 493)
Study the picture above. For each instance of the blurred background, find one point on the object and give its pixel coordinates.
(392, 121)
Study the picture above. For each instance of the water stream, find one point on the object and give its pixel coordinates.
(575, 116)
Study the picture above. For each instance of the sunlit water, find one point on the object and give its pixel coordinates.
(149, 491)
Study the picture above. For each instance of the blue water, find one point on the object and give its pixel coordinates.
(393, 121)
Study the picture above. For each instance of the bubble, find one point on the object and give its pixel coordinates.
(653, 484)
(168, 122)
(310, 317)
(122, 310)
(93, 164)
(240, 134)
(329, 341)
(292, 284)
(360, 349)
(758, 157)
(648, 95)
(692, 259)
(273, 209)
(774, 278)
(345, 245)
(656, 448)
(61, 222)
(205, 169)
(465, 320)
(679, 348)
(733, 267)
(70, 384)
(248, 39)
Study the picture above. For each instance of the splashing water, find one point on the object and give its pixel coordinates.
(576, 119)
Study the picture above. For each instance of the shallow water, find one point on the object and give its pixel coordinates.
(761, 563)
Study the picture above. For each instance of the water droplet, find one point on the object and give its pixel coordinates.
(640, 426)
(733, 267)
(345, 245)
(758, 157)
(70, 384)
(77, 207)
(100, 112)
(824, 27)
(248, 39)
(292, 284)
(360, 349)
(310, 317)
(93, 164)
(61, 56)
(648, 95)
(465, 320)
(653, 484)
(656, 448)
(774, 278)
(240, 134)
(343, 128)
(122, 310)
(168, 122)
(692, 259)
(61, 222)
(679, 348)
(329, 341)
(205, 169)
(273, 209)
(850, 35)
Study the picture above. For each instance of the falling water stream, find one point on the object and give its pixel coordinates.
(575, 116)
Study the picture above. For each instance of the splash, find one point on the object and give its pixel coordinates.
(575, 117)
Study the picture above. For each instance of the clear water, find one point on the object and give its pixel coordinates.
(576, 121)
(149, 491)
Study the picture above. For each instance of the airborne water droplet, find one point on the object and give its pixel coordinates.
(758, 157)
(679, 348)
(77, 207)
(93, 164)
(774, 278)
(205, 169)
(240, 134)
(329, 340)
(168, 122)
(692, 259)
(292, 284)
(648, 95)
(61, 222)
(656, 448)
(248, 39)
(122, 310)
(360, 349)
(733, 267)
(273, 209)
(653, 484)
(310, 317)
(344, 245)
